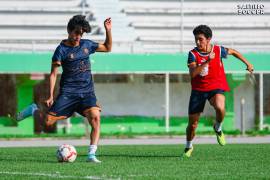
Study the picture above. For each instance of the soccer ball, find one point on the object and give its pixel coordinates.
(66, 153)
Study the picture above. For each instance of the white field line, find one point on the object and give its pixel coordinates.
(56, 175)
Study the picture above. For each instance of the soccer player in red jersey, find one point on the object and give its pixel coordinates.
(208, 82)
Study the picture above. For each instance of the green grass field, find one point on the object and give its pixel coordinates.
(140, 162)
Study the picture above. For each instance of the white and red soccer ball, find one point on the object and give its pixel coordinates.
(66, 153)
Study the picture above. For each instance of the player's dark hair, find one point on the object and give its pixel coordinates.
(203, 29)
(78, 22)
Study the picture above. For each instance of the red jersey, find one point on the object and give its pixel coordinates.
(213, 75)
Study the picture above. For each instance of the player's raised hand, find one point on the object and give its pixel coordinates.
(108, 24)
(49, 102)
(211, 55)
(250, 68)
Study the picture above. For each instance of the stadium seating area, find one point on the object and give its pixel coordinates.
(158, 24)
(39, 25)
(139, 26)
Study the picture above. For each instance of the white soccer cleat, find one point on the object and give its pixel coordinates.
(93, 159)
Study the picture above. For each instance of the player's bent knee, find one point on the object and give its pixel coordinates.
(193, 126)
(95, 122)
(93, 116)
(219, 108)
(95, 119)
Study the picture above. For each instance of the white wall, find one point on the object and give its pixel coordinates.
(246, 91)
(148, 99)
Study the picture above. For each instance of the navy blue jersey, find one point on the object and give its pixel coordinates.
(75, 61)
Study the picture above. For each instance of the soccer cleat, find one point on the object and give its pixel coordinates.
(220, 138)
(187, 152)
(28, 111)
(92, 158)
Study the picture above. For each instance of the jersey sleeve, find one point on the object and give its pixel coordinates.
(191, 59)
(223, 52)
(57, 57)
(92, 46)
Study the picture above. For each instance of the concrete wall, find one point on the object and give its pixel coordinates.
(148, 99)
(246, 91)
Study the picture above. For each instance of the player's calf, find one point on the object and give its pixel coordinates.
(50, 119)
(26, 112)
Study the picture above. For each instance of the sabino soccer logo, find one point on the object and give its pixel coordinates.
(250, 9)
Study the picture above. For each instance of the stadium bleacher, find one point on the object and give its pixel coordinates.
(158, 24)
(37, 25)
(40, 25)
(139, 26)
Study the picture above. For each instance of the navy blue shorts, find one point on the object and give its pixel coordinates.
(66, 104)
(198, 99)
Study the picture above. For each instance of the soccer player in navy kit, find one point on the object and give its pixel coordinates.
(76, 84)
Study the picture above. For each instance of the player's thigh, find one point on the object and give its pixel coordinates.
(218, 101)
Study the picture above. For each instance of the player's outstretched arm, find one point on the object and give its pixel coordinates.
(53, 76)
(238, 55)
(107, 45)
